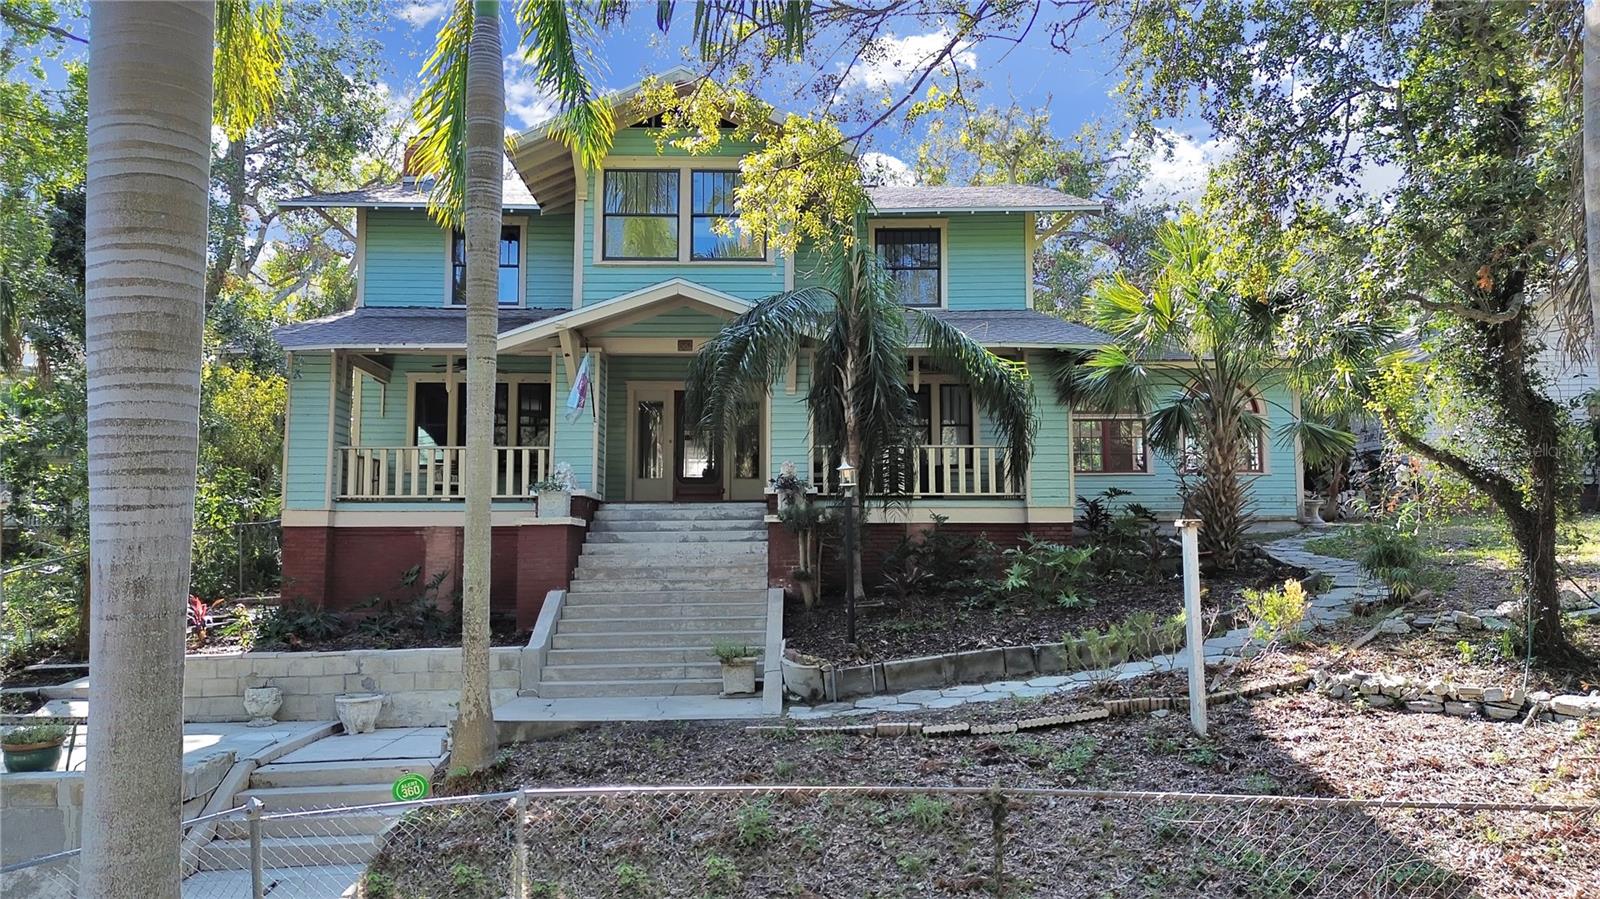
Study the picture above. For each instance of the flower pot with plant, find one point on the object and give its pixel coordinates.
(555, 492)
(738, 667)
(789, 486)
(33, 747)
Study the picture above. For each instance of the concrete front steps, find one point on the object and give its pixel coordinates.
(286, 785)
(656, 588)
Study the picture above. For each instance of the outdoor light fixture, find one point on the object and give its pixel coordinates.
(847, 474)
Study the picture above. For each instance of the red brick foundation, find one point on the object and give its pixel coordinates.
(881, 537)
(342, 567)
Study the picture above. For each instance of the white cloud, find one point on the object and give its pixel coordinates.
(423, 12)
(882, 168)
(527, 103)
(1178, 171)
(891, 61)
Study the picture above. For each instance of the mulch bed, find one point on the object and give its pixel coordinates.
(1298, 744)
(929, 627)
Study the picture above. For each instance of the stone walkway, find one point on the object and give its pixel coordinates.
(1350, 586)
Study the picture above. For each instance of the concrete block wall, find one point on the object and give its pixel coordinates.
(40, 814)
(423, 684)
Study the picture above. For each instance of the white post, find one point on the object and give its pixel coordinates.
(1189, 529)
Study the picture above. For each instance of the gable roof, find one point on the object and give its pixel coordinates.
(412, 193)
(982, 198)
(672, 291)
(375, 328)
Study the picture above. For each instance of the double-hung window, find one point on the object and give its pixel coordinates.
(1108, 444)
(441, 420)
(641, 214)
(712, 201)
(914, 259)
(510, 266)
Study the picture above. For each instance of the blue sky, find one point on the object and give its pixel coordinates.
(1075, 86)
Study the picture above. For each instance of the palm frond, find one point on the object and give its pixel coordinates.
(1319, 442)
(249, 69)
(440, 112)
(1115, 380)
(739, 364)
(1002, 388)
(1170, 422)
(554, 34)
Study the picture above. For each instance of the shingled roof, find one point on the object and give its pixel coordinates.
(984, 198)
(396, 327)
(1019, 328)
(410, 194)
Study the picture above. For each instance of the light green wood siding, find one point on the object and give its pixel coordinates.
(306, 455)
(405, 255)
(791, 422)
(574, 440)
(672, 323)
(1050, 473)
(549, 275)
(988, 263)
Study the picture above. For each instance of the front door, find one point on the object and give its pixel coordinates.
(668, 463)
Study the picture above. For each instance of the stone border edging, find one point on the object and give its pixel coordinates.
(1396, 691)
(1109, 708)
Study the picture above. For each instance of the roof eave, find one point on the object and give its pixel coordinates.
(947, 210)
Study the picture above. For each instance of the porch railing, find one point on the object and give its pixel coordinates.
(940, 470)
(433, 472)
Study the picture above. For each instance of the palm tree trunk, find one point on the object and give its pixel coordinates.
(473, 737)
(149, 167)
(1591, 160)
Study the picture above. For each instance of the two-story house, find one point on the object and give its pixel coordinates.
(618, 267)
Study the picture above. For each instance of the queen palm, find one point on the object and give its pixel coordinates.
(151, 105)
(861, 408)
(1197, 357)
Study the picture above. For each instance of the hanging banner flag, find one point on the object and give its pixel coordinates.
(578, 396)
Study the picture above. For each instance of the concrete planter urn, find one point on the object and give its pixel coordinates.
(358, 712)
(738, 668)
(555, 504)
(804, 678)
(262, 704)
(739, 676)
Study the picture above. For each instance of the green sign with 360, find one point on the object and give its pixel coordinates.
(410, 787)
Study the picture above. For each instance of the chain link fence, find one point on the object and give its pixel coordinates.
(879, 841)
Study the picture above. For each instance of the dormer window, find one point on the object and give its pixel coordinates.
(914, 258)
(641, 210)
(510, 266)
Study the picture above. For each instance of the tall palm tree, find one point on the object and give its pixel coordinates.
(861, 407)
(1210, 409)
(150, 114)
(1591, 162)
(460, 114)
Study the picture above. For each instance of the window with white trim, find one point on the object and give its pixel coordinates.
(1109, 444)
(438, 419)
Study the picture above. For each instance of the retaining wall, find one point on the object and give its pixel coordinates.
(424, 685)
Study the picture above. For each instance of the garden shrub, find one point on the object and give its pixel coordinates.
(294, 623)
(1043, 571)
(940, 564)
(1277, 616)
(414, 614)
(1128, 544)
(1391, 555)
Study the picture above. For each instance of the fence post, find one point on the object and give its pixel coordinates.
(257, 876)
(1189, 530)
(519, 855)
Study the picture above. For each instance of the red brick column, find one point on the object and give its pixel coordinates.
(307, 560)
(441, 553)
(547, 554)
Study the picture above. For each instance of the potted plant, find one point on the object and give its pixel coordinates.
(555, 492)
(788, 485)
(738, 667)
(33, 747)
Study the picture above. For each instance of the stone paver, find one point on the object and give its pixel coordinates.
(1350, 586)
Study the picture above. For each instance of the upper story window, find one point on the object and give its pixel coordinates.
(914, 258)
(712, 200)
(510, 266)
(641, 214)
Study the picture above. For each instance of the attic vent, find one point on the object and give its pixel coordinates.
(686, 346)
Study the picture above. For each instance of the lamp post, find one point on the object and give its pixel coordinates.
(847, 486)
